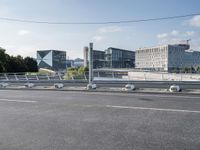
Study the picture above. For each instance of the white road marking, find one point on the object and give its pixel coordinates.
(137, 94)
(19, 101)
(155, 109)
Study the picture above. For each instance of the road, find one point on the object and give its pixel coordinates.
(58, 120)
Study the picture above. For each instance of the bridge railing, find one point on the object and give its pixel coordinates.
(28, 77)
(57, 77)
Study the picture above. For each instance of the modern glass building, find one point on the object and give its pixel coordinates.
(52, 59)
(119, 58)
(98, 58)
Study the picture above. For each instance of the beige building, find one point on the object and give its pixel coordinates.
(162, 58)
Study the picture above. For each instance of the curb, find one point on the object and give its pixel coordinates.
(105, 91)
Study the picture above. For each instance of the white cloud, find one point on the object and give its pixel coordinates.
(98, 38)
(110, 29)
(190, 33)
(162, 35)
(195, 21)
(174, 36)
(23, 32)
(175, 33)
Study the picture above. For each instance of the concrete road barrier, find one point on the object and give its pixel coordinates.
(91, 86)
(29, 85)
(175, 88)
(58, 85)
(129, 87)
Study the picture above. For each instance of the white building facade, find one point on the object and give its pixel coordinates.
(166, 57)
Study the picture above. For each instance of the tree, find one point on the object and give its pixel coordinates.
(82, 70)
(2, 69)
(198, 69)
(3, 60)
(75, 73)
(17, 64)
(31, 64)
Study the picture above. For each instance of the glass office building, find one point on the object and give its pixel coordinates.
(119, 58)
(98, 58)
(52, 59)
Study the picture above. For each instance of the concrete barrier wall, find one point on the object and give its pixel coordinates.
(156, 76)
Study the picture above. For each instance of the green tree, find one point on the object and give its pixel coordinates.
(2, 69)
(198, 69)
(82, 70)
(3, 60)
(31, 64)
(17, 64)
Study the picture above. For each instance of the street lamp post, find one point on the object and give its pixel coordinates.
(90, 63)
(90, 84)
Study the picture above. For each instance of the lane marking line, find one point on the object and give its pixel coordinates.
(135, 94)
(19, 101)
(155, 109)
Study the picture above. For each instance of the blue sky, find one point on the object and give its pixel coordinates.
(25, 38)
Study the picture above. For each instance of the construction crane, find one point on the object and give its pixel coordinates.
(186, 41)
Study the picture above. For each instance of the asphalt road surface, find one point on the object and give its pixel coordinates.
(58, 120)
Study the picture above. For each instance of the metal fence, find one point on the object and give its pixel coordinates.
(28, 77)
(59, 77)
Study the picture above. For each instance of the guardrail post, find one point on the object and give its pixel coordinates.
(98, 74)
(37, 77)
(85, 76)
(26, 77)
(113, 75)
(5, 75)
(59, 77)
(48, 77)
(16, 78)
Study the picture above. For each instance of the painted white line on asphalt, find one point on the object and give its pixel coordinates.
(138, 95)
(19, 101)
(154, 109)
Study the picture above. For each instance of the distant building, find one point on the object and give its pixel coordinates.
(85, 56)
(166, 57)
(119, 58)
(52, 59)
(192, 59)
(78, 62)
(69, 63)
(98, 58)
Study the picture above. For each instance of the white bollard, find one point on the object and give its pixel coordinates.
(58, 85)
(3, 85)
(91, 86)
(175, 88)
(129, 87)
(29, 85)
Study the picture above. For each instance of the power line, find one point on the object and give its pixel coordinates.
(98, 23)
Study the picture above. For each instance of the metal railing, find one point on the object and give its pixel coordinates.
(59, 77)
(28, 77)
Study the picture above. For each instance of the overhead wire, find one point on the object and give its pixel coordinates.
(98, 23)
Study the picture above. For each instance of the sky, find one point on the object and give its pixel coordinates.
(26, 38)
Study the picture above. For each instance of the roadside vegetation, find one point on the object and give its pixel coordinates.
(76, 73)
(11, 64)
